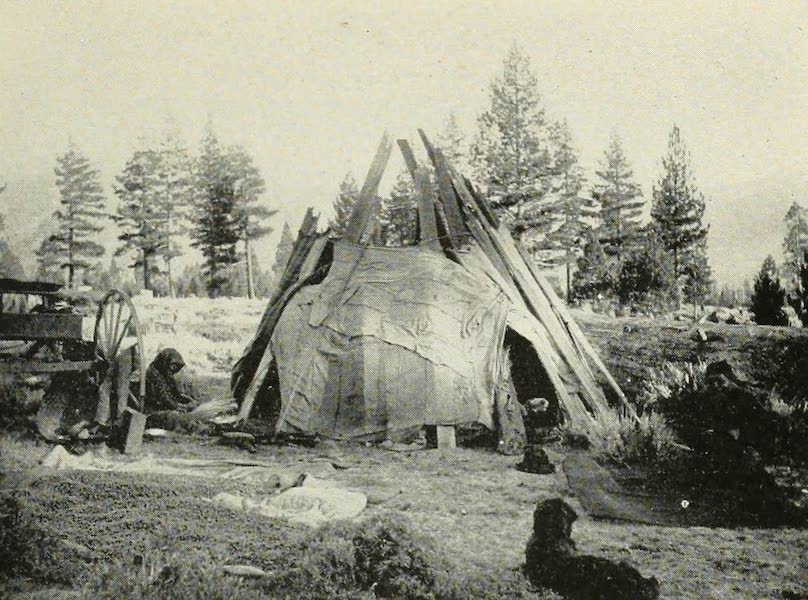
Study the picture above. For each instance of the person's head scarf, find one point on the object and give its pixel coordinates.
(168, 361)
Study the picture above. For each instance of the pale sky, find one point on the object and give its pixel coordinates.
(309, 87)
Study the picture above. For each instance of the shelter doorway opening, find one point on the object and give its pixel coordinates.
(531, 384)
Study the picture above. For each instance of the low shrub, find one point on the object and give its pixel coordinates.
(381, 555)
(17, 405)
(732, 429)
(160, 574)
(648, 440)
(30, 549)
(671, 380)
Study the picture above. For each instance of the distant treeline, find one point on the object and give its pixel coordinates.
(595, 232)
(528, 166)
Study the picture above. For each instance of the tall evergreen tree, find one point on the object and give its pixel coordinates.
(647, 271)
(10, 264)
(795, 243)
(343, 205)
(282, 253)
(250, 215)
(621, 203)
(768, 297)
(510, 153)
(216, 230)
(48, 261)
(570, 237)
(398, 214)
(596, 274)
(451, 141)
(799, 297)
(697, 280)
(78, 218)
(678, 206)
(173, 183)
(140, 217)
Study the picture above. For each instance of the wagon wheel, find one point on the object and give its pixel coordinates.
(116, 320)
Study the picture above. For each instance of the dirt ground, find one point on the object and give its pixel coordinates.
(474, 502)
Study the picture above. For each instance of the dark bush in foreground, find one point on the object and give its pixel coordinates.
(28, 549)
(732, 431)
(381, 555)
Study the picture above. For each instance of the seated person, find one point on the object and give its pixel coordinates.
(162, 390)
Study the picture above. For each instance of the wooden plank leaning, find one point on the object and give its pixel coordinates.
(495, 249)
(244, 369)
(262, 368)
(425, 199)
(454, 218)
(428, 228)
(571, 402)
(579, 337)
(559, 336)
(367, 204)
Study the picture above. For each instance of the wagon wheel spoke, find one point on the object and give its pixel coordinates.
(120, 336)
(116, 319)
(105, 328)
(116, 322)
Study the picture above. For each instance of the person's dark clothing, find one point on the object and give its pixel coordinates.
(162, 391)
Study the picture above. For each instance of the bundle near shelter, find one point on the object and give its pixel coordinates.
(361, 341)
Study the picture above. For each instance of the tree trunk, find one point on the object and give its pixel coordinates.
(249, 268)
(676, 287)
(169, 279)
(146, 278)
(70, 266)
(569, 276)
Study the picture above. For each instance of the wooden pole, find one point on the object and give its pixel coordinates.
(367, 204)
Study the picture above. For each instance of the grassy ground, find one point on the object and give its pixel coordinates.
(775, 356)
(476, 505)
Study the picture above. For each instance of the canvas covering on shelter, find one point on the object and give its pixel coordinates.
(369, 340)
(412, 339)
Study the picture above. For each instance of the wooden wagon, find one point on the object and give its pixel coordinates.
(46, 337)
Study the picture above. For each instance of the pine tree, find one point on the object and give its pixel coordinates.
(140, 214)
(191, 281)
(282, 253)
(511, 156)
(111, 277)
(78, 219)
(216, 229)
(799, 297)
(647, 272)
(597, 274)
(621, 203)
(10, 264)
(343, 205)
(48, 261)
(569, 238)
(250, 215)
(678, 206)
(795, 243)
(173, 183)
(451, 141)
(768, 296)
(697, 275)
(398, 214)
